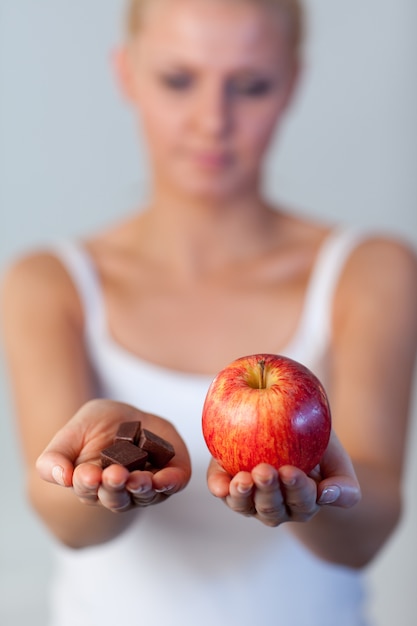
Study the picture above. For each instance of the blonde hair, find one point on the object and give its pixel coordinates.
(292, 10)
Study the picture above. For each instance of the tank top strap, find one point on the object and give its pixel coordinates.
(80, 268)
(314, 331)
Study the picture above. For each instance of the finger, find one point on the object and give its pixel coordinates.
(300, 493)
(116, 500)
(140, 488)
(86, 481)
(268, 498)
(218, 481)
(240, 494)
(112, 492)
(170, 480)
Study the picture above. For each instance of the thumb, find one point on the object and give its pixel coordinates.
(340, 486)
(56, 462)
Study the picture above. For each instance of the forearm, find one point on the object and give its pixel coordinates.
(73, 523)
(353, 537)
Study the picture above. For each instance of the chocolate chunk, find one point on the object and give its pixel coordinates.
(159, 450)
(126, 454)
(128, 431)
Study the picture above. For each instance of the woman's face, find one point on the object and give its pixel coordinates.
(209, 80)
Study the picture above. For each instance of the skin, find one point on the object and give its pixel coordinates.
(208, 242)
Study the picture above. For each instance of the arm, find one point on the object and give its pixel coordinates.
(374, 348)
(373, 352)
(52, 381)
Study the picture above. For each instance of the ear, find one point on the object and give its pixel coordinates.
(123, 71)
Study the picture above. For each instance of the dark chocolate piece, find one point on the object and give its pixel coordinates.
(126, 454)
(160, 451)
(128, 431)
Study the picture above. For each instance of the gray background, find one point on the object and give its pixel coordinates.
(69, 162)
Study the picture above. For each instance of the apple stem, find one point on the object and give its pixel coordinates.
(262, 378)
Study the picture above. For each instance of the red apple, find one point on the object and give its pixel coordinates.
(266, 408)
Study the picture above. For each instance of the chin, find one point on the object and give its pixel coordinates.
(218, 187)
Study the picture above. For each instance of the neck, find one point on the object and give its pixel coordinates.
(195, 236)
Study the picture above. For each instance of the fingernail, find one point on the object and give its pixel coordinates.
(329, 495)
(116, 484)
(289, 482)
(267, 481)
(58, 475)
(137, 491)
(244, 489)
(164, 489)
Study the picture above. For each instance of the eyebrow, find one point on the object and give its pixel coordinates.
(172, 65)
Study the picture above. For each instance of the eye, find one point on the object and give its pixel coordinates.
(176, 82)
(252, 88)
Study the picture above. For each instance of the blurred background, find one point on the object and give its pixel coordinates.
(70, 162)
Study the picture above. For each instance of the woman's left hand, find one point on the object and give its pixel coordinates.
(288, 494)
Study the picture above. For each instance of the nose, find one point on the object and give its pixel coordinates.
(213, 111)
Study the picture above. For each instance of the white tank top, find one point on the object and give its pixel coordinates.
(190, 561)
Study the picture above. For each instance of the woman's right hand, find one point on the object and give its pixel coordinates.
(72, 459)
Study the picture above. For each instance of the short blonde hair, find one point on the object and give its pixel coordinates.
(291, 9)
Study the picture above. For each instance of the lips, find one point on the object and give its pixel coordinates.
(211, 159)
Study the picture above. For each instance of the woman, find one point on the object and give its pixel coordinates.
(134, 322)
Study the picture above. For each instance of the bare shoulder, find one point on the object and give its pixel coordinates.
(391, 263)
(38, 282)
(380, 283)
